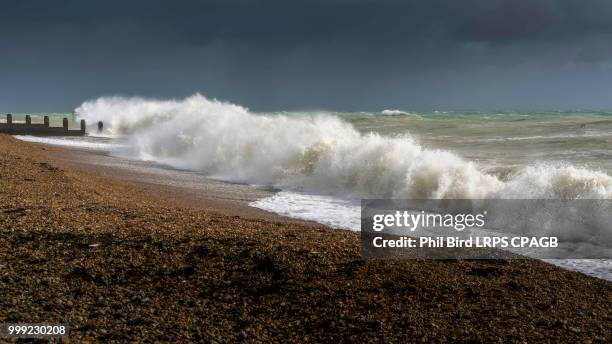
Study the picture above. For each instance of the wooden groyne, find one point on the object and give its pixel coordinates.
(39, 129)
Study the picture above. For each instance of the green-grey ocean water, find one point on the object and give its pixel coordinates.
(55, 118)
(497, 140)
(501, 140)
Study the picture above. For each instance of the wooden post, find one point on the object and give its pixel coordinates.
(9, 119)
(46, 119)
(83, 125)
(28, 120)
(65, 123)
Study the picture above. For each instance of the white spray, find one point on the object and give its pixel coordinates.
(317, 153)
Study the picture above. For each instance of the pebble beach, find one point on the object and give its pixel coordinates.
(119, 263)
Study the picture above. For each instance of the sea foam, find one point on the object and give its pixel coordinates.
(319, 154)
(73, 142)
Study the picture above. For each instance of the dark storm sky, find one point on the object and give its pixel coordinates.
(333, 54)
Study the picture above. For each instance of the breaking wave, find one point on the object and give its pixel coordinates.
(389, 112)
(318, 153)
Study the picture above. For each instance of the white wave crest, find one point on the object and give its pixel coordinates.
(317, 153)
(389, 112)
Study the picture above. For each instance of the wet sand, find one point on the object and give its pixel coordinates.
(120, 260)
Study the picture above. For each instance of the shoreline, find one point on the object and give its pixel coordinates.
(178, 187)
(80, 241)
(195, 190)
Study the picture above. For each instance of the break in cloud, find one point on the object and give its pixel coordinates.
(343, 55)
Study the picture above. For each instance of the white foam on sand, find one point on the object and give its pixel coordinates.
(346, 214)
(330, 211)
(85, 142)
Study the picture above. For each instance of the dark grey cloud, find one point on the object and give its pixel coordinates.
(338, 54)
